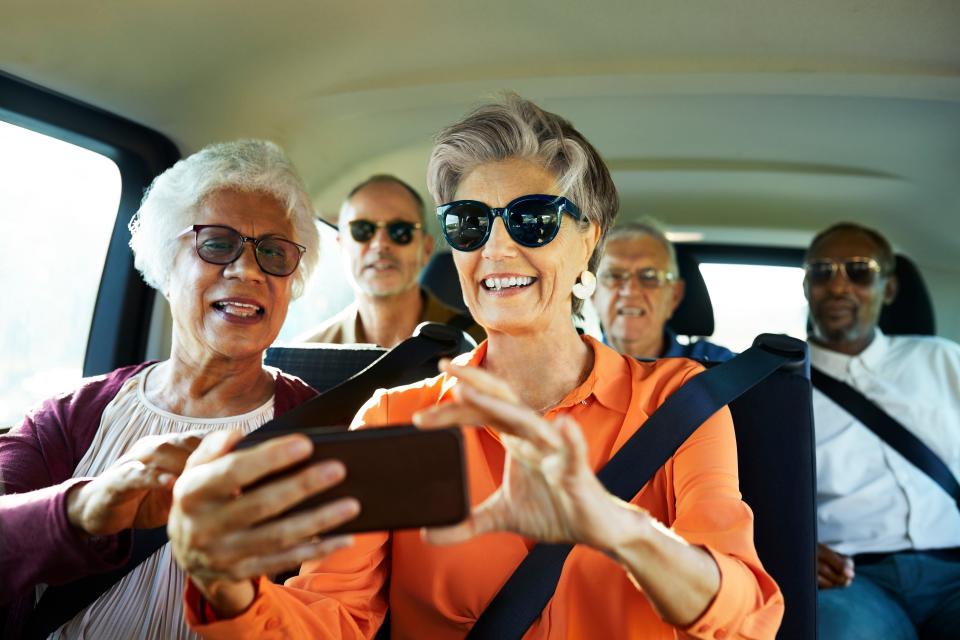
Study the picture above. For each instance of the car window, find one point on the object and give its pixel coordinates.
(58, 205)
(751, 299)
(326, 293)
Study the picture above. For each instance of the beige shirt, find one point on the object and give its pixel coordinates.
(347, 328)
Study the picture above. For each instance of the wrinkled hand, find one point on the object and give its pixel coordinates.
(833, 569)
(224, 533)
(135, 491)
(549, 492)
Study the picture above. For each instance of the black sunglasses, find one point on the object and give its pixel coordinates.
(532, 220)
(219, 244)
(399, 231)
(862, 272)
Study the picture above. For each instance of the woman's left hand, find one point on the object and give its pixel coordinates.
(549, 491)
(135, 491)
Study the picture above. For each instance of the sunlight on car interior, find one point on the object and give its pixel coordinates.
(57, 252)
(484, 320)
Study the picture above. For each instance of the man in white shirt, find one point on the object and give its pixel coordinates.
(889, 558)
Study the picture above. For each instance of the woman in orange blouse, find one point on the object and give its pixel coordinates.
(527, 202)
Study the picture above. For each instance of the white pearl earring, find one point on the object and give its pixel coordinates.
(586, 286)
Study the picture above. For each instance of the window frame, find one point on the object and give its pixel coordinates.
(124, 303)
(742, 254)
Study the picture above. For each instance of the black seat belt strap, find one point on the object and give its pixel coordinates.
(889, 430)
(336, 406)
(461, 321)
(526, 593)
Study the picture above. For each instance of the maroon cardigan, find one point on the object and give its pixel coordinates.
(37, 460)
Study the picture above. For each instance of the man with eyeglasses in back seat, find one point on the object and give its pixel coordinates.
(385, 246)
(640, 288)
(889, 553)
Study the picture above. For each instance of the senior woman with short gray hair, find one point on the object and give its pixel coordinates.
(227, 235)
(524, 202)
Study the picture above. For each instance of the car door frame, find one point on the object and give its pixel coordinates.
(122, 313)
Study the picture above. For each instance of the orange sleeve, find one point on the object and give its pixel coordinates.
(711, 513)
(342, 596)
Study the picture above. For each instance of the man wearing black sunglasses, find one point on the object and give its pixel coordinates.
(889, 558)
(385, 246)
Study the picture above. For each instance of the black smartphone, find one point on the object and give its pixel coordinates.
(402, 476)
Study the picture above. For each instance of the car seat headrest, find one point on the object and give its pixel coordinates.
(911, 312)
(694, 316)
(439, 277)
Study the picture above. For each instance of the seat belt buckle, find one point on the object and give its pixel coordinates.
(449, 337)
(794, 350)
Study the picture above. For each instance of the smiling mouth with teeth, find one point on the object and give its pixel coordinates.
(240, 309)
(631, 311)
(498, 284)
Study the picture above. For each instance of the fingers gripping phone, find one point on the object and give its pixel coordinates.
(402, 476)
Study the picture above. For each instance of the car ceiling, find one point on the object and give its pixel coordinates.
(776, 117)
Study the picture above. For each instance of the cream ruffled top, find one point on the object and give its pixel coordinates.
(147, 602)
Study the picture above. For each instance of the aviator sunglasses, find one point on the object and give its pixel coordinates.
(859, 271)
(219, 244)
(399, 231)
(531, 220)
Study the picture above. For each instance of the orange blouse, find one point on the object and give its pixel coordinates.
(438, 592)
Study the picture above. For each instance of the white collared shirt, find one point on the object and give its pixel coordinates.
(869, 498)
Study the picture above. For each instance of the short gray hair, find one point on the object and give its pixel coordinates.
(517, 128)
(172, 199)
(385, 178)
(644, 227)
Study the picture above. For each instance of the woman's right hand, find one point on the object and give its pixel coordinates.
(135, 491)
(224, 536)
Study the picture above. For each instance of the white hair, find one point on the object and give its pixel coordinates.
(171, 201)
(647, 226)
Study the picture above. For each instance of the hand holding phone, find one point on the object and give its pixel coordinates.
(224, 533)
(403, 477)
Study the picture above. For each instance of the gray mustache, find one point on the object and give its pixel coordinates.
(369, 262)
